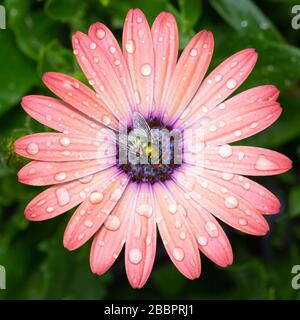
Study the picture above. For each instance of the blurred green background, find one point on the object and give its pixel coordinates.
(37, 39)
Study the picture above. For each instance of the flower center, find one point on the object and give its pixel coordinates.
(149, 151)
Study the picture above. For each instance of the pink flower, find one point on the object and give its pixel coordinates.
(122, 203)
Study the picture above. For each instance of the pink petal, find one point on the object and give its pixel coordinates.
(250, 161)
(109, 240)
(240, 123)
(91, 214)
(59, 199)
(141, 238)
(222, 203)
(165, 42)
(258, 196)
(138, 52)
(39, 173)
(175, 232)
(81, 97)
(101, 75)
(62, 147)
(211, 238)
(188, 74)
(218, 85)
(60, 116)
(106, 41)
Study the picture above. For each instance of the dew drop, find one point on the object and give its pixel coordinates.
(211, 229)
(193, 52)
(243, 222)
(182, 235)
(178, 254)
(227, 176)
(135, 256)
(231, 84)
(96, 197)
(231, 202)
(50, 209)
(112, 49)
(112, 223)
(32, 148)
(86, 179)
(93, 45)
(202, 240)
(148, 240)
(116, 194)
(225, 151)
(218, 78)
(106, 120)
(130, 46)
(263, 164)
(65, 141)
(100, 33)
(88, 223)
(238, 133)
(247, 185)
(63, 196)
(144, 210)
(91, 82)
(172, 208)
(60, 176)
(48, 117)
(80, 236)
(146, 69)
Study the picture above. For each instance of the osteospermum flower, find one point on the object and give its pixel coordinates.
(122, 203)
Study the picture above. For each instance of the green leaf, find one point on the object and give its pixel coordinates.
(65, 10)
(191, 11)
(54, 57)
(32, 28)
(17, 74)
(294, 202)
(246, 18)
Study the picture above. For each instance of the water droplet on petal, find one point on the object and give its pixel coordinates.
(231, 84)
(139, 20)
(50, 209)
(88, 223)
(112, 49)
(80, 236)
(193, 52)
(96, 197)
(48, 117)
(144, 210)
(182, 235)
(86, 179)
(211, 229)
(146, 69)
(243, 222)
(130, 46)
(247, 185)
(100, 33)
(65, 141)
(93, 45)
(202, 240)
(135, 256)
(227, 176)
(116, 195)
(148, 240)
(112, 223)
(63, 196)
(32, 148)
(172, 207)
(106, 120)
(178, 254)
(225, 151)
(218, 77)
(238, 133)
(263, 164)
(60, 176)
(231, 202)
